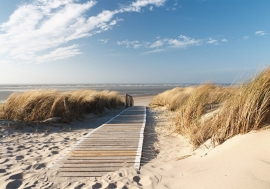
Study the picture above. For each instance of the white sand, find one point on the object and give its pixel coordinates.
(168, 159)
(241, 162)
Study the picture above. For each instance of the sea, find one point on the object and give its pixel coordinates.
(133, 89)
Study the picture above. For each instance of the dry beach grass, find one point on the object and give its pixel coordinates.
(38, 105)
(237, 110)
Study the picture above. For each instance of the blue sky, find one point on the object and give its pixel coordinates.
(133, 41)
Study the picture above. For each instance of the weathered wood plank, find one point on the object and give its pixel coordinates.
(106, 158)
(81, 174)
(99, 151)
(111, 164)
(108, 145)
(115, 131)
(102, 153)
(121, 124)
(112, 139)
(135, 134)
(105, 149)
(108, 136)
(102, 161)
(92, 169)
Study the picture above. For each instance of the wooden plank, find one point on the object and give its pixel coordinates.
(112, 139)
(109, 143)
(115, 164)
(121, 124)
(109, 136)
(120, 131)
(102, 153)
(102, 146)
(98, 151)
(115, 158)
(105, 149)
(93, 169)
(81, 174)
(91, 161)
(136, 123)
(108, 139)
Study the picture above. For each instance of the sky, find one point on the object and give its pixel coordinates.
(132, 41)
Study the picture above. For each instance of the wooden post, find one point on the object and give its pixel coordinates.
(129, 101)
(126, 100)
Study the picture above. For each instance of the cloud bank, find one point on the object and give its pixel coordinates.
(41, 31)
(162, 45)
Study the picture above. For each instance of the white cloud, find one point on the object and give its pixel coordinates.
(5, 62)
(155, 51)
(166, 43)
(47, 25)
(59, 54)
(139, 4)
(103, 41)
(128, 44)
(224, 40)
(183, 41)
(262, 33)
(246, 37)
(157, 44)
(212, 41)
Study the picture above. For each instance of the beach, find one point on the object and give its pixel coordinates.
(240, 162)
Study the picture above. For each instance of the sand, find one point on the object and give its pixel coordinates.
(168, 161)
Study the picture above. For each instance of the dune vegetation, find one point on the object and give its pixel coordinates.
(38, 105)
(218, 113)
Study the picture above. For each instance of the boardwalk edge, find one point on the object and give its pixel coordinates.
(140, 144)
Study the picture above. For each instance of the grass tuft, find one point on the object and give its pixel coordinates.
(38, 105)
(247, 110)
(237, 110)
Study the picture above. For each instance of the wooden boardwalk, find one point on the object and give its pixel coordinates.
(113, 145)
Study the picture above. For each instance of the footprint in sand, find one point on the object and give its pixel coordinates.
(142, 180)
(54, 152)
(21, 146)
(97, 186)
(19, 157)
(4, 160)
(54, 147)
(39, 166)
(2, 171)
(14, 184)
(16, 176)
(27, 167)
(111, 186)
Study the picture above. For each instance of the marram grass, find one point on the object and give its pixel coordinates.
(238, 110)
(38, 105)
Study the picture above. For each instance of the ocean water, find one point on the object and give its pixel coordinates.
(132, 89)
